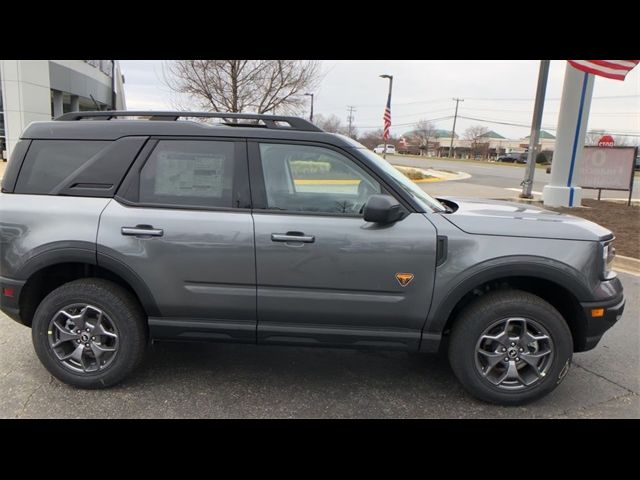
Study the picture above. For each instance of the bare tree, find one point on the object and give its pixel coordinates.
(259, 86)
(423, 132)
(592, 137)
(623, 141)
(373, 138)
(331, 124)
(474, 133)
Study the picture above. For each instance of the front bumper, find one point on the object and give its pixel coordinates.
(597, 326)
(9, 304)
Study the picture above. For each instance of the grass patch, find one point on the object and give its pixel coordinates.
(413, 173)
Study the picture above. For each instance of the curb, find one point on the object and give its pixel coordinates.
(627, 264)
(439, 175)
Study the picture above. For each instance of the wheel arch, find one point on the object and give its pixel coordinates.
(52, 269)
(557, 283)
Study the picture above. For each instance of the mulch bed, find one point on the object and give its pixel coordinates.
(622, 220)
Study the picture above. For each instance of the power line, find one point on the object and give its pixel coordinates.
(547, 112)
(411, 123)
(489, 99)
(518, 99)
(419, 114)
(629, 133)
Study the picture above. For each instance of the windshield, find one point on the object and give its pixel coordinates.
(423, 198)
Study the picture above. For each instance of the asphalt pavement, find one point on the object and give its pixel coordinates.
(192, 380)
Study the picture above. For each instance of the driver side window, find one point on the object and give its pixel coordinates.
(305, 178)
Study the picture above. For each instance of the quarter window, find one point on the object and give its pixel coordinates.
(305, 178)
(49, 162)
(189, 173)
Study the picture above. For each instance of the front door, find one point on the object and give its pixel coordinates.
(182, 225)
(324, 275)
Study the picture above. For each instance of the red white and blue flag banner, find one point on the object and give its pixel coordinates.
(616, 69)
(387, 120)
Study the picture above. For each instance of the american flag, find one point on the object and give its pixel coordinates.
(387, 120)
(616, 69)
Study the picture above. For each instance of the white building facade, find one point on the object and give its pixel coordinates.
(36, 90)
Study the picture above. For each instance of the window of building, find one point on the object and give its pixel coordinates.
(305, 178)
(189, 173)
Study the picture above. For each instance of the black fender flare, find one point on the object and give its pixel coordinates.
(512, 266)
(85, 252)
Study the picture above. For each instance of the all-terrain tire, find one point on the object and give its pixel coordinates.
(123, 311)
(486, 311)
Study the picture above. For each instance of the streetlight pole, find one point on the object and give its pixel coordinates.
(388, 108)
(455, 117)
(311, 115)
(527, 183)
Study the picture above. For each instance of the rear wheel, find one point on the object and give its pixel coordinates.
(89, 333)
(510, 347)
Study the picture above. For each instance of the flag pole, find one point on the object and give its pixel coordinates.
(384, 138)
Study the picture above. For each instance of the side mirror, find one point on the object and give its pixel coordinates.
(382, 209)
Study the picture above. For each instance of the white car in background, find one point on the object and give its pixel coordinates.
(391, 149)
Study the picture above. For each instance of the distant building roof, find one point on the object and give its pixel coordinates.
(436, 134)
(544, 134)
(492, 134)
(444, 134)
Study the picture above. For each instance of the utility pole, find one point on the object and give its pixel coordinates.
(527, 183)
(453, 132)
(351, 109)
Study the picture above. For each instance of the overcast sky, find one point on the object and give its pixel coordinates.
(496, 90)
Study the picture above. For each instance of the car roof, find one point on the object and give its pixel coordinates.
(114, 129)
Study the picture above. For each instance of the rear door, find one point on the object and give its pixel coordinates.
(181, 225)
(324, 275)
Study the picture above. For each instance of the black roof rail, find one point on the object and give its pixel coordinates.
(268, 121)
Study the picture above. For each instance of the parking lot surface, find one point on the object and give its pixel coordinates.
(248, 381)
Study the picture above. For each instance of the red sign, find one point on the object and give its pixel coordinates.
(606, 141)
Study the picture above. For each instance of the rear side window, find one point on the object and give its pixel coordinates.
(189, 173)
(49, 162)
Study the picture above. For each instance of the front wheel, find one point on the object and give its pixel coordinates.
(510, 347)
(89, 333)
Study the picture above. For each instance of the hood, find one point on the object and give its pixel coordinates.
(494, 217)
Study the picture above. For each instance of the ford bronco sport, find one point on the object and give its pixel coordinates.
(115, 231)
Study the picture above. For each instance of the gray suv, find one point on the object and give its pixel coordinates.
(116, 231)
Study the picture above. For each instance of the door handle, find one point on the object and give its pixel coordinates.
(292, 237)
(142, 231)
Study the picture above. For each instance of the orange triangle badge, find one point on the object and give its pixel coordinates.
(404, 278)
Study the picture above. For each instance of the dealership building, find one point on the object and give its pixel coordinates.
(36, 90)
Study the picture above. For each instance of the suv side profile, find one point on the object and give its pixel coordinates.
(513, 157)
(267, 230)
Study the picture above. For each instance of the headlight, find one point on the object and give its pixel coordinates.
(608, 254)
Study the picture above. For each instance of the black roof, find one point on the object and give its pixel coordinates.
(114, 129)
(107, 125)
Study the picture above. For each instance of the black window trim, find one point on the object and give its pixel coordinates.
(128, 192)
(258, 191)
(14, 165)
(55, 189)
